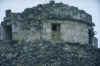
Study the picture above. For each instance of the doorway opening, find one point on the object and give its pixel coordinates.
(55, 27)
(8, 32)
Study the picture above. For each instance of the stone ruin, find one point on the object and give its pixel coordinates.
(52, 34)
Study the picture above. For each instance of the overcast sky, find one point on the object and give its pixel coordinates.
(90, 6)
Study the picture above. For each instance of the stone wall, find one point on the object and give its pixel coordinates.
(22, 28)
(71, 31)
(97, 54)
(26, 31)
(43, 53)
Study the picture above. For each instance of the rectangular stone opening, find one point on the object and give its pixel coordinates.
(8, 32)
(55, 27)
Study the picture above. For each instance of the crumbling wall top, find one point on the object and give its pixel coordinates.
(56, 11)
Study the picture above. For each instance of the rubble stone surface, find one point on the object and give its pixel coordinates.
(27, 38)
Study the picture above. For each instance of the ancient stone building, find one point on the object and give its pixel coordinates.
(60, 35)
(53, 21)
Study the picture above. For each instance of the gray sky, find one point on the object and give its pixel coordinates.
(90, 6)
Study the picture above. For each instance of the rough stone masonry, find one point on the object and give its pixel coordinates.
(52, 34)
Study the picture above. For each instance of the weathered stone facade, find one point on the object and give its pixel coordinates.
(43, 53)
(70, 30)
(52, 34)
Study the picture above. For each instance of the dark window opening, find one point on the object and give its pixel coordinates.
(91, 34)
(8, 32)
(54, 27)
(55, 31)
